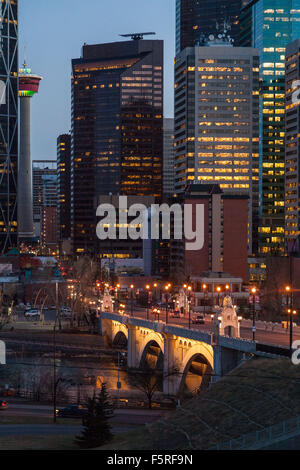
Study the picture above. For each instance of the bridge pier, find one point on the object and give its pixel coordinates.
(170, 378)
(132, 348)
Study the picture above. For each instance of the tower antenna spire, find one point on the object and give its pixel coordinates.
(25, 64)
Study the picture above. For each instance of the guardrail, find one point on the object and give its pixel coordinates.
(262, 438)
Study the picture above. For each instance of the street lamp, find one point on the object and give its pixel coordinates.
(218, 290)
(189, 304)
(204, 287)
(289, 303)
(167, 287)
(253, 292)
(148, 300)
(118, 287)
(155, 285)
(131, 297)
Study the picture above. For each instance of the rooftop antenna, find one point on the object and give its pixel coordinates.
(136, 36)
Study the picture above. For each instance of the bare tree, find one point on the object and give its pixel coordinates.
(149, 382)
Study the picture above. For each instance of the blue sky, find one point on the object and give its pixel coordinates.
(54, 31)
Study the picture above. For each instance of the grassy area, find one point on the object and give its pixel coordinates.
(38, 443)
(261, 393)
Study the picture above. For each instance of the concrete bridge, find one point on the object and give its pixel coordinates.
(175, 350)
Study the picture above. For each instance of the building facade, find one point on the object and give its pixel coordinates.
(8, 124)
(292, 148)
(64, 186)
(269, 25)
(49, 232)
(216, 122)
(117, 129)
(40, 168)
(169, 163)
(196, 17)
(225, 232)
(49, 227)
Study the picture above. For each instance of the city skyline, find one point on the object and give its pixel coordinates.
(52, 60)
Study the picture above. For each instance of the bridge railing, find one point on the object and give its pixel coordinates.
(263, 437)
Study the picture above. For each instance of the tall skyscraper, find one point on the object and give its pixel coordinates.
(49, 233)
(292, 148)
(117, 129)
(8, 123)
(169, 163)
(40, 168)
(270, 25)
(28, 87)
(64, 186)
(197, 17)
(216, 121)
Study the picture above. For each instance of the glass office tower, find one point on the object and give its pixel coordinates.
(8, 123)
(117, 129)
(196, 17)
(292, 148)
(269, 25)
(216, 122)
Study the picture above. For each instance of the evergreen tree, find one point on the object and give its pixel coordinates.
(97, 429)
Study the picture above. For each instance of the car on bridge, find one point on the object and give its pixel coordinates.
(176, 314)
(156, 311)
(198, 319)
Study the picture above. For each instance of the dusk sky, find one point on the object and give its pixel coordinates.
(54, 31)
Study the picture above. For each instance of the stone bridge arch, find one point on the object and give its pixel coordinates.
(119, 333)
(149, 339)
(185, 352)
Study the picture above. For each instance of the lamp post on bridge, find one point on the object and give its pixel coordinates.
(148, 299)
(189, 288)
(131, 297)
(219, 291)
(253, 292)
(167, 287)
(291, 311)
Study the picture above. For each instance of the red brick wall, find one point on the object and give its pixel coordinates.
(49, 225)
(235, 246)
(198, 261)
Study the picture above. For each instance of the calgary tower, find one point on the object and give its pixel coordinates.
(28, 87)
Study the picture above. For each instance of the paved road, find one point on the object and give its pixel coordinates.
(121, 416)
(46, 429)
(278, 336)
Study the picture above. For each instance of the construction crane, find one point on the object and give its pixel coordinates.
(136, 36)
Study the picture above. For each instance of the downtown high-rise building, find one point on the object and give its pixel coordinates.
(197, 17)
(40, 170)
(169, 163)
(216, 122)
(269, 25)
(64, 186)
(117, 129)
(292, 148)
(49, 233)
(8, 123)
